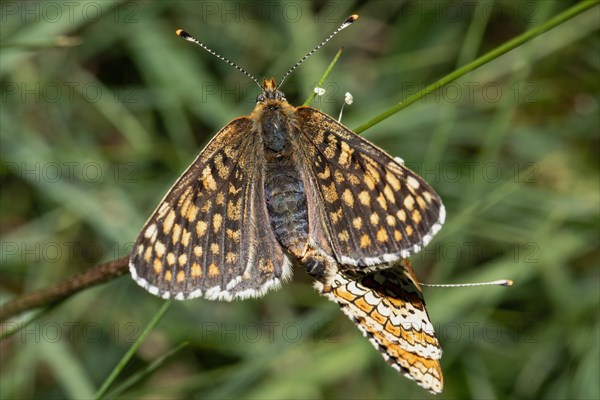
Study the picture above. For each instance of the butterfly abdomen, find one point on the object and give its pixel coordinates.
(286, 204)
(284, 190)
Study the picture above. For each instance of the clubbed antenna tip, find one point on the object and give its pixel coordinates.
(351, 19)
(184, 35)
(502, 282)
(344, 25)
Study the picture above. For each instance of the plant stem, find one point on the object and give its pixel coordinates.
(62, 290)
(325, 75)
(484, 59)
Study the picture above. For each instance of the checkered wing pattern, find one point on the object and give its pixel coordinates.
(210, 236)
(375, 210)
(388, 307)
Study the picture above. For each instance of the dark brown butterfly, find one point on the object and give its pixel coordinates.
(291, 186)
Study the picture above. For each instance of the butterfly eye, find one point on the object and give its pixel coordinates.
(280, 96)
(260, 98)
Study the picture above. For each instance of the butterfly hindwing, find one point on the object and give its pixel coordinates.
(388, 308)
(375, 210)
(210, 235)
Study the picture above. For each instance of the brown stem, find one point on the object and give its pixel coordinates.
(62, 290)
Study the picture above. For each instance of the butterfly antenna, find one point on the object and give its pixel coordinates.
(183, 34)
(502, 282)
(346, 24)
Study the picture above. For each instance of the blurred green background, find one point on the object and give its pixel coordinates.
(103, 106)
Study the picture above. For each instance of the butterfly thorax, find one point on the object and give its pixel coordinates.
(284, 189)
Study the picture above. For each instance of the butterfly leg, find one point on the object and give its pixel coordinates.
(315, 264)
(320, 266)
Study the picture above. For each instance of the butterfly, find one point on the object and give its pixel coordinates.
(388, 308)
(289, 186)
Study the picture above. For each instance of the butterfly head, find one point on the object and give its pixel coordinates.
(269, 91)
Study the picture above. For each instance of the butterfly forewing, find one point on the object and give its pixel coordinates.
(388, 307)
(210, 235)
(375, 210)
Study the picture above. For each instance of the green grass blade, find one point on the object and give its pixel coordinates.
(67, 369)
(324, 77)
(491, 55)
(121, 365)
(140, 375)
